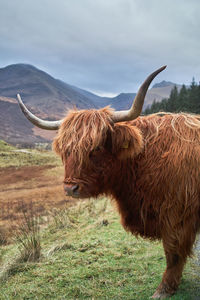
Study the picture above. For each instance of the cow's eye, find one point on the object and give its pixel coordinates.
(92, 153)
(97, 149)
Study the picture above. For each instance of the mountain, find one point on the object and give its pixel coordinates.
(163, 84)
(40, 90)
(14, 128)
(50, 98)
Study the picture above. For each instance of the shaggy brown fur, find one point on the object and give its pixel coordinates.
(150, 166)
(79, 134)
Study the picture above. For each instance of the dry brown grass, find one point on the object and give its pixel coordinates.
(39, 185)
(27, 234)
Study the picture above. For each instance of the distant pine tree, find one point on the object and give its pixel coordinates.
(185, 100)
(172, 101)
(182, 101)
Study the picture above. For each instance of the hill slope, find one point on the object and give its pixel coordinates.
(41, 90)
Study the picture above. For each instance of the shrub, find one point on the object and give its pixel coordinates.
(28, 235)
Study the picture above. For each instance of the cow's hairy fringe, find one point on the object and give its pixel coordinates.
(82, 132)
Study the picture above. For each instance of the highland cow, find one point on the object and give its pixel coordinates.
(150, 165)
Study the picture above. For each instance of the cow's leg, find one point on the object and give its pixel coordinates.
(171, 277)
(177, 248)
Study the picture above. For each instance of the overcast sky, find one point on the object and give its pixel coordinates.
(105, 46)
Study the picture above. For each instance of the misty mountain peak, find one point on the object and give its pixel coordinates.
(18, 67)
(163, 84)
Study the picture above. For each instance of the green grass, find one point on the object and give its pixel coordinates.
(10, 156)
(86, 254)
(5, 146)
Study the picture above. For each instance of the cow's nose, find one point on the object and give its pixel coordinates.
(71, 189)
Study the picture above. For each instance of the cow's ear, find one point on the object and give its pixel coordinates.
(127, 141)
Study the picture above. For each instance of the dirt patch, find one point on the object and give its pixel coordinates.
(12, 175)
(38, 188)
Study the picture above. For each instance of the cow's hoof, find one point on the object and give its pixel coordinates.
(160, 295)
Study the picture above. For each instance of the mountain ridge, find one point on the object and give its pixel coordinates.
(50, 98)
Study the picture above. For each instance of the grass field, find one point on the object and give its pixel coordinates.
(10, 156)
(84, 253)
(87, 255)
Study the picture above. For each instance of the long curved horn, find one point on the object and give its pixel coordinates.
(49, 125)
(136, 108)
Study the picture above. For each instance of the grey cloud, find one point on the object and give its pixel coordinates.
(105, 46)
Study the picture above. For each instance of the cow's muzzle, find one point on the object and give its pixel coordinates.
(71, 190)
